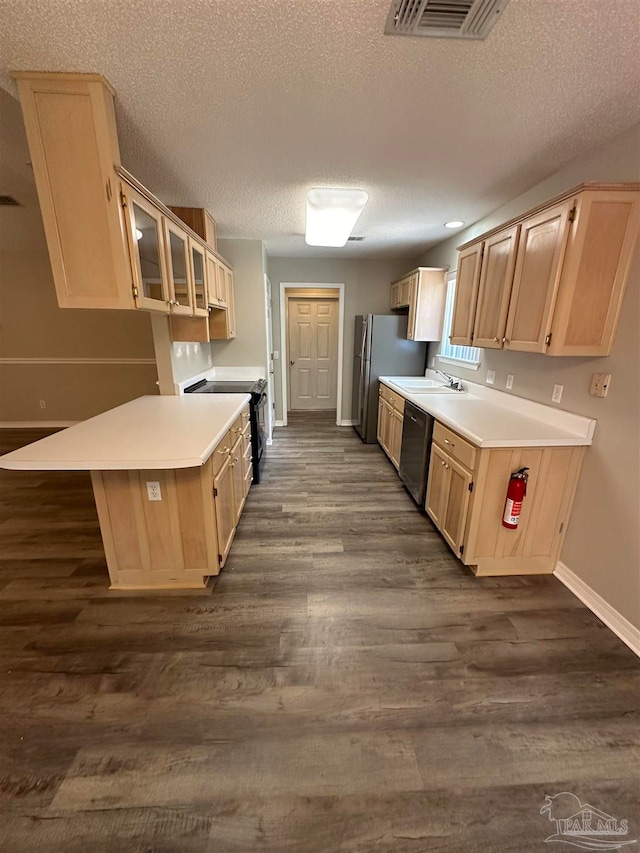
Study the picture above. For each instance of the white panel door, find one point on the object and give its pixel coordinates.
(313, 353)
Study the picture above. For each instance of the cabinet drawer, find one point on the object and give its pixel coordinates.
(395, 400)
(222, 452)
(454, 445)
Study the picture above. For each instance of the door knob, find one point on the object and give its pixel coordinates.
(292, 362)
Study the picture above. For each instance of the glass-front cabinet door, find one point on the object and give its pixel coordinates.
(199, 278)
(179, 269)
(146, 242)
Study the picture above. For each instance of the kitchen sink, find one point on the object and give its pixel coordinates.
(422, 386)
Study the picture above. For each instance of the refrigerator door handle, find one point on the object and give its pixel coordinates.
(365, 324)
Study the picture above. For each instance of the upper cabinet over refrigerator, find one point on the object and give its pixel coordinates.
(422, 292)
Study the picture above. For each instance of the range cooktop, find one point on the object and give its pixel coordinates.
(230, 386)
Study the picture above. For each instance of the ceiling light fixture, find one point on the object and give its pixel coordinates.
(332, 214)
(139, 234)
(455, 223)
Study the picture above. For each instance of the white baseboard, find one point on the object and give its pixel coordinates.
(279, 423)
(269, 441)
(620, 626)
(36, 424)
(346, 423)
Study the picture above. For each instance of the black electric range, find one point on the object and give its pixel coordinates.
(257, 388)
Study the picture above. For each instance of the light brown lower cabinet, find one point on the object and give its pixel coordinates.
(466, 492)
(390, 423)
(180, 540)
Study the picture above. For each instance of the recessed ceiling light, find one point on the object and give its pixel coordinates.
(332, 214)
(455, 223)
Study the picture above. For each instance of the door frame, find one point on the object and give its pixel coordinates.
(284, 356)
(268, 314)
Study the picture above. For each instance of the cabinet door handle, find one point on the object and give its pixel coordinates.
(225, 450)
(444, 464)
(446, 441)
(497, 340)
(109, 189)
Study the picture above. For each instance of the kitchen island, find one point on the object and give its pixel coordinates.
(170, 476)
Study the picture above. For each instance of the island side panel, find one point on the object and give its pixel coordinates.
(154, 544)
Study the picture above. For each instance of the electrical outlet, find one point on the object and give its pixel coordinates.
(557, 393)
(43, 405)
(154, 492)
(600, 384)
(276, 354)
(509, 384)
(491, 377)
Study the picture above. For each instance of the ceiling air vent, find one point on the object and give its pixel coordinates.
(462, 19)
(355, 239)
(9, 201)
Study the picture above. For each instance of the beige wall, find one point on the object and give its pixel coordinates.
(33, 327)
(603, 539)
(249, 349)
(367, 291)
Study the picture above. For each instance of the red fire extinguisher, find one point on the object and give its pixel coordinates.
(515, 493)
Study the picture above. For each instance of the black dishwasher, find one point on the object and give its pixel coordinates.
(417, 432)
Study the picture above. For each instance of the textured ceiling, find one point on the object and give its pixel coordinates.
(242, 107)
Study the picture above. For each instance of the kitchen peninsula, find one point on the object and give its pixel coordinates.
(170, 477)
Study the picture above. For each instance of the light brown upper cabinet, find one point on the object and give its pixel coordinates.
(198, 278)
(595, 271)
(217, 282)
(423, 292)
(200, 221)
(401, 291)
(496, 274)
(543, 239)
(231, 300)
(467, 284)
(71, 130)
(221, 286)
(565, 284)
(111, 243)
(179, 267)
(145, 233)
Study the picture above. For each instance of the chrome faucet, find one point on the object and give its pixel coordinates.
(454, 384)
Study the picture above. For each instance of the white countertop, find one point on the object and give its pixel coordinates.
(147, 433)
(489, 418)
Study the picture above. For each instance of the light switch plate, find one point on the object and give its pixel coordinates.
(276, 354)
(491, 377)
(600, 384)
(509, 384)
(557, 393)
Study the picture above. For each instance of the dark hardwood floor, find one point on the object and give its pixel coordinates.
(346, 684)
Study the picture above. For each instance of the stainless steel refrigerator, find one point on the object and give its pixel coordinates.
(380, 348)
